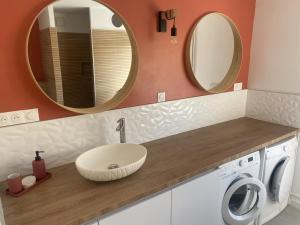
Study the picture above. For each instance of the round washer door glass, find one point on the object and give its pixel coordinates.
(243, 201)
(281, 180)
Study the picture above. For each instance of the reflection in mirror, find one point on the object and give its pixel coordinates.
(80, 53)
(215, 53)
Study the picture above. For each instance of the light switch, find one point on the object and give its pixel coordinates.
(238, 86)
(161, 97)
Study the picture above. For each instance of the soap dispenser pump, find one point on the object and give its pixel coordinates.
(38, 166)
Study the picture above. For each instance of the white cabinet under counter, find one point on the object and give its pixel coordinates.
(193, 202)
(153, 211)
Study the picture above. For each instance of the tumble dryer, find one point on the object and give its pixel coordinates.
(277, 175)
(242, 194)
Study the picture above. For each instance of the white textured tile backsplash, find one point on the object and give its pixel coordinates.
(64, 139)
(274, 107)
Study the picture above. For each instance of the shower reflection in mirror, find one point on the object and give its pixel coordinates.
(80, 53)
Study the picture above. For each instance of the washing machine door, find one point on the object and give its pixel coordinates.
(243, 201)
(281, 180)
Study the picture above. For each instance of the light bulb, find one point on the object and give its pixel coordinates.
(174, 34)
(174, 40)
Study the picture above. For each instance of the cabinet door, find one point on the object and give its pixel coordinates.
(153, 211)
(195, 202)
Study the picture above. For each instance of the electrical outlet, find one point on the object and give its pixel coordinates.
(31, 115)
(19, 117)
(161, 97)
(3, 120)
(238, 86)
(16, 118)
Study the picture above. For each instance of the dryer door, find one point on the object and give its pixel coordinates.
(281, 180)
(243, 201)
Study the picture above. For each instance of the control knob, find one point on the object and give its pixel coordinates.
(241, 163)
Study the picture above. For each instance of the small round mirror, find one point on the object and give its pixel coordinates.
(214, 53)
(82, 55)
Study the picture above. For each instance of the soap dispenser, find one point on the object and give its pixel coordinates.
(38, 166)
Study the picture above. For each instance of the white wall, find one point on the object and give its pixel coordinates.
(70, 16)
(73, 22)
(76, 4)
(84, 19)
(46, 18)
(275, 67)
(101, 19)
(275, 55)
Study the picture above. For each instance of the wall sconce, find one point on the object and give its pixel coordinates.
(163, 17)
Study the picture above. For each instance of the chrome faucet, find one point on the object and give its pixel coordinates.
(121, 129)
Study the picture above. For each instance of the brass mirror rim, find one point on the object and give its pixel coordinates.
(235, 67)
(124, 91)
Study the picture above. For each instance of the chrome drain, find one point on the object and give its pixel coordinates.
(113, 166)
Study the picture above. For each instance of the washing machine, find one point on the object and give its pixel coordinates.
(277, 175)
(242, 194)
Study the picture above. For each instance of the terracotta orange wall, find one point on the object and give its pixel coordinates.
(161, 64)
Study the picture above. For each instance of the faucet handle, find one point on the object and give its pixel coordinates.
(121, 125)
(121, 128)
(121, 120)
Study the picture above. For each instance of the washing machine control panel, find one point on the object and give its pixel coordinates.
(283, 148)
(246, 161)
(240, 164)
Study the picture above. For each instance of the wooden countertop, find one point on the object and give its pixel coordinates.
(69, 199)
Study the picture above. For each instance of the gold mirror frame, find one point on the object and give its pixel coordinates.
(124, 91)
(235, 67)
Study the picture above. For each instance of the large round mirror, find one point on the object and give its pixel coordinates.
(214, 53)
(82, 55)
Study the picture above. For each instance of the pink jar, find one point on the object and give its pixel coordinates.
(14, 182)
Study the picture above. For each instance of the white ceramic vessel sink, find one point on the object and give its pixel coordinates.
(111, 162)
